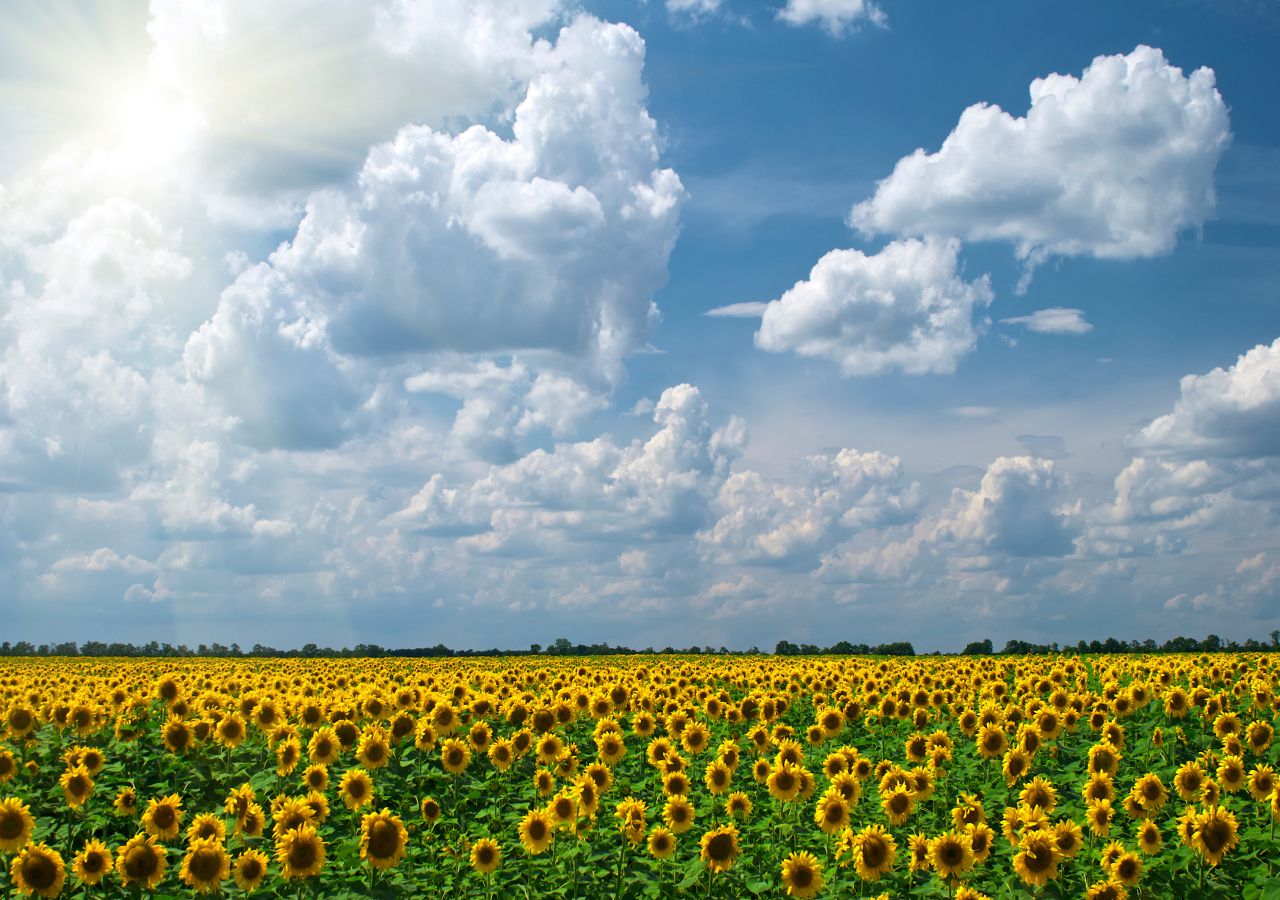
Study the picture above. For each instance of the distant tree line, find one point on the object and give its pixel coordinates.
(563, 647)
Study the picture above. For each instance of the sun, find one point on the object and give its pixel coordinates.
(148, 128)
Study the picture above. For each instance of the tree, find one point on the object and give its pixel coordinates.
(979, 648)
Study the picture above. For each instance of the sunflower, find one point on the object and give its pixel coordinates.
(785, 782)
(1149, 793)
(720, 848)
(19, 722)
(374, 749)
(430, 810)
(662, 843)
(1189, 781)
(564, 810)
(968, 811)
(316, 777)
(1149, 838)
(250, 869)
(455, 755)
(761, 769)
(252, 823)
(356, 788)
(92, 863)
(163, 817)
(16, 824)
(500, 754)
(873, 851)
(1262, 783)
(141, 861)
(1231, 774)
(992, 742)
(694, 738)
(1037, 860)
(676, 784)
(951, 855)
(802, 875)
(1103, 758)
(544, 782)
(288, 752)
(1258, 736)
(601, 775)
(981, 838)
(832, 812)
(177, 736)
(1067, 837)
(39, 870)
(1040, 792)
(630, 813)
(479, 735)
(1099, 815)
(1016, 764)
(238, 800)
(230, 730)
(300, 853)
(383, 839)
(898, 805)
(289, 814)
(1211, 793)
(1127, 869)
(486, 855)
(738, 805)
(918, 848)
(77, 786)
(1105, 890)
(536, 832)
(324, 748)
(205, 866)
(1216, 832)
(207, 826)
(8, 765)
(679, 814)
(718, 777)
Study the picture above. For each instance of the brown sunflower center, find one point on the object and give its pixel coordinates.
(206, 865)
(302, 855)
(384, 840)
(140, 863)
(720, 847)
(163, 817)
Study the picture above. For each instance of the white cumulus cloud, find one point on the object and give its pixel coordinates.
(1112, 164)
(905, 308)
(1054, 320)
(837, 17)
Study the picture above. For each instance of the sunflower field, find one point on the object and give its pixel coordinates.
(642, 777)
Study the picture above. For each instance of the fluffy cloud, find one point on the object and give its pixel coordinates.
(772, 521)
(1055, 320)
(1019, 510)
(551, 241)
(258, 73)
(1224, 413)
(836, 16)
(906, 308)
(1113, 164)
(592, 490)
(1207, 467)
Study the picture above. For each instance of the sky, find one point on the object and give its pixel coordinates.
(651, 323)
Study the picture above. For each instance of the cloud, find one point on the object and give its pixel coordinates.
(973, 412)
(257, 74)
(905, 308)
(1055, 320)
(1019, 509)
(104, 559)
(751, 309)
(1231, 413)
(1045, 446)
(771, 521)
(837, 17)
(553, 241)
(693, 9)
(1114, 164)
(593, 490)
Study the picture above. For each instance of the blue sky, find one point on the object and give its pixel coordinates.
(651, 323)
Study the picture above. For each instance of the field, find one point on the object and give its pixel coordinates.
(1050, 776)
